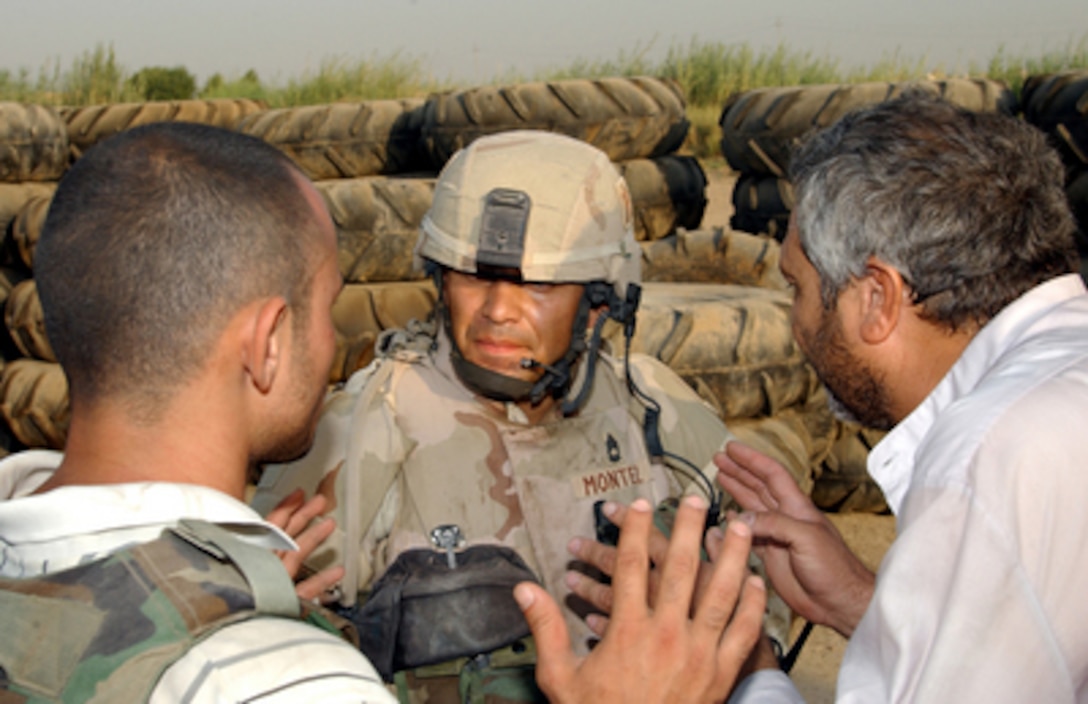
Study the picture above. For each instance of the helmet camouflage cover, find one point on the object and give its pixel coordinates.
(549, 206)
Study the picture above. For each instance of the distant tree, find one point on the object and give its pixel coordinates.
(161, 83)
(213, 84)
(248, 86)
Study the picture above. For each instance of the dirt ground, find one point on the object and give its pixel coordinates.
(869, 536)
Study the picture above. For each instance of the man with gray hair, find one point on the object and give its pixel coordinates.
(932, 260)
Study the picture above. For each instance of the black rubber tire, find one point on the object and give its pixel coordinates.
(732, 344)
(627, 118)
(362, 311)
(13, 197)
(33, 143)
(716, 256)
(799, 437)
(762, 205)
(10, 277)
(88, 125)
(345, 140)
(34, 402)
(26, 322)
(1077, 193)
(26, 227)
(761, 127)
(844, 484)
(667, 192)
(1058, 105)
(377, 224)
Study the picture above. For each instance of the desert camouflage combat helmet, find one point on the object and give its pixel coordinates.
(544, 206)
(536, 207)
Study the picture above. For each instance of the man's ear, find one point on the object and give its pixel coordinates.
(882, 297)
(264, 348)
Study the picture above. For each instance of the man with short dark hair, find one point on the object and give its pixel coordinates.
(186, 274)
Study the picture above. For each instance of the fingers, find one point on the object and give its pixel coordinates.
(629, 584)
(746, 488)
(308, 540)
(721, 593)
(293, 513)
(594, 554)
(281, 513)
(714, 541)
(743, 632)
(659, 544)
(318, 586)
(585, 587)
(556, 663)
(781, 488)
(681, 565)
(313, 535)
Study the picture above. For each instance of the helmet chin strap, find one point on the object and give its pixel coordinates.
(557, 377)
(555, 380)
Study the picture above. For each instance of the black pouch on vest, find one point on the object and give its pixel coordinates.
(423, 612)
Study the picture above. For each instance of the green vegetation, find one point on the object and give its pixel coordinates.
(159, 83)
(710, 72)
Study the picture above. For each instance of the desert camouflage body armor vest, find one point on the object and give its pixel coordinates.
(106, 631)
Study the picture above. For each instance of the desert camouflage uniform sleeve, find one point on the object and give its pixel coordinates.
(358, 421)
(689, 427)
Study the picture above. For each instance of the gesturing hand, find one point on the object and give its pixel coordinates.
(603, 558)
(294, 514)
(682, 648)
(806, 558)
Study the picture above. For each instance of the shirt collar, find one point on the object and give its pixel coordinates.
(891, 461)
(82, 509)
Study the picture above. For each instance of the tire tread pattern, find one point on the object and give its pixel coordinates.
(345, 140)
(33, 143)
(760, 127)
(89, 125)
(732, 344)
(34, 402)
(627, 118)
(667, 192)
(1058, 105)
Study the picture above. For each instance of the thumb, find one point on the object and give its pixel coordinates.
(556, 661)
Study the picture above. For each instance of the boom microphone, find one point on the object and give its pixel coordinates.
(529, 363)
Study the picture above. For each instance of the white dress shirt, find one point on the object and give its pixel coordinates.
(983, 596)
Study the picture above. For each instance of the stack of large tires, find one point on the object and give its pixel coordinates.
(1057, 104)
(714, 306)
(760, 128)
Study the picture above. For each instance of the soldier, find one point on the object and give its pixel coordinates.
(476, 446)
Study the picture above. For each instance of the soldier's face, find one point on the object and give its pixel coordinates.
(857, 392)
(497, 323)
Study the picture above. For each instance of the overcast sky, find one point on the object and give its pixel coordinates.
(476, 40)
